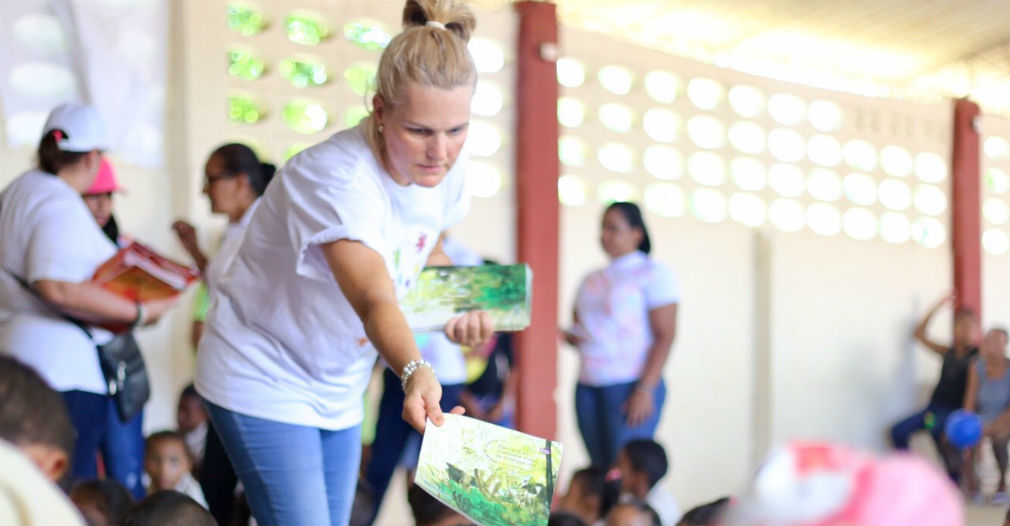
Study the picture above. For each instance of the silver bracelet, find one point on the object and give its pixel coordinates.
(141, 315)
(411, 368)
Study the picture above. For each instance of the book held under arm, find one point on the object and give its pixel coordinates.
(490, 474)
(141, 274)
(503, 291)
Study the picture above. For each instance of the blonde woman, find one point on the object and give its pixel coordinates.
(340, 234)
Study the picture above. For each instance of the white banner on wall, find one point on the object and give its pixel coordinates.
(112, 54)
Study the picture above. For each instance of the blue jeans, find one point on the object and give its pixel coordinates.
(392, 433)
(903, 431)
(603, 424)
(292, 474)
(99, 429)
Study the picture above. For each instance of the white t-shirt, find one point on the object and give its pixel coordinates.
(27, 496)
(665, 504)
(281, 341)
(613, 307)
(189, 486)
(229, 247)
(47, 232)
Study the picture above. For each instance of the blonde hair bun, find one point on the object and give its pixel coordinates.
(454, 15)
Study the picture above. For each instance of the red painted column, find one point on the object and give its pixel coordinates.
(537, 212)
(965, 224)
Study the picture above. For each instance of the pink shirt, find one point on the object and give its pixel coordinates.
(613, 307)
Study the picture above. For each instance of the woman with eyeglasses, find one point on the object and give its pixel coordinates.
(234, 180)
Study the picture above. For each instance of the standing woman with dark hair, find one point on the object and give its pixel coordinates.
(624, 322)
(50, 246)
(339, 237)
(234, 181)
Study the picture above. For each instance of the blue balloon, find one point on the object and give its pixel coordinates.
(963, 429)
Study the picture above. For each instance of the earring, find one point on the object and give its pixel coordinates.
(382, 128)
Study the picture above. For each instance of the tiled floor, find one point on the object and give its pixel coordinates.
(985, 515)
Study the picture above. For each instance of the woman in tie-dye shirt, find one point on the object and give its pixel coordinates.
(623, 326)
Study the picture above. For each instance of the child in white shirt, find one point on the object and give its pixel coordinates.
(168, 464)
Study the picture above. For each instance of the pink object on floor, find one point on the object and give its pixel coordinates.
(824, 484)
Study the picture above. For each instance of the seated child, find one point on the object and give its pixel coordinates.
(191, 418)
(633, 513)
(988, 395)
(102, 502)
(34, 418)
(708, 514)
(167, 463)
(428, 511)
(167, 508)
(642, 463)
(27, 496)
(590, 496)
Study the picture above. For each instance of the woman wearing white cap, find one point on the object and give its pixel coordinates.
(50, 246)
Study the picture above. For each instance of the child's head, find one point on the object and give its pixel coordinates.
(589, 494)
(428, 511)
(190, 413)
(101, 502)
(34, 418)
(707, 514)
(166, 459)
(642, 464)
(167, 508)
(633, 513)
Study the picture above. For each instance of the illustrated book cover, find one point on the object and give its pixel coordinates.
(491, 474)
(503, 291)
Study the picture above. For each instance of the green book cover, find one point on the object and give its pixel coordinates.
(503, 291)
(491, 474)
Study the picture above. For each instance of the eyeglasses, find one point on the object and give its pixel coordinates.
(210, 179)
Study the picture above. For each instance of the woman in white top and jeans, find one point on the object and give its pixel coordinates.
(340, 234)
(234, 180)
(624, 322)
(49, 240)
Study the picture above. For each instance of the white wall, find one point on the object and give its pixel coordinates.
(707, 422)
(781, 335)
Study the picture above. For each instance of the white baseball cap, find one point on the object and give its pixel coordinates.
(82, 126)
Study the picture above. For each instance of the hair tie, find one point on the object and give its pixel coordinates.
(58, 135)
(435, 23)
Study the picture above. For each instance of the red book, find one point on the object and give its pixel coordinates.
(141, 274)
